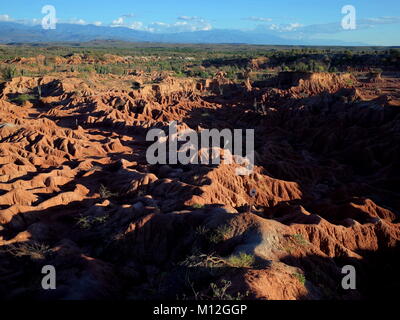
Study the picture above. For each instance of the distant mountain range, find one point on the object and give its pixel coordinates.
(11, 32)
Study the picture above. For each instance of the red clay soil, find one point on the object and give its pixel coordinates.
(77, 192)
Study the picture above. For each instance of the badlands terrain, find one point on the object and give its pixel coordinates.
(76, 191)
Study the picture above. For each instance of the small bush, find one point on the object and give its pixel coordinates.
(100, 69)
(9, 72)
(220, 292)
(84, 222)
(299, 239)
(105, 193)
(202, 230)
(22, 98)
(300, 277)
(349, 82)
(242, 260)
(220, 234)
(87, 222)
(36, 251)
(203, 260)
(117, 70)
(86, 69)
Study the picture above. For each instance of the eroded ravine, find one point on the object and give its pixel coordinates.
(76, 190)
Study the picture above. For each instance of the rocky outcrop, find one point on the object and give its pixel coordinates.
(77, 192)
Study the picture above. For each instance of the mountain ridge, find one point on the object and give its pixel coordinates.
(12, 32)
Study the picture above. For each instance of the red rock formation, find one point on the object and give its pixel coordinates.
(73, 177)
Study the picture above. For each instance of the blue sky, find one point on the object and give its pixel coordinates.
(378, 21)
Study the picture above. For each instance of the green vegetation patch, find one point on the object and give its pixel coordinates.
(242, 260)
(22, 98)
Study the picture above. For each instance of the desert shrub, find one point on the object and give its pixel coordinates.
(105, 193)
(203, 260)
(101, 69)
(87, 222)
(220, 292)
(202, 230)
(319, 68)
(9, 72)
(27, 73)
(84, 222)
(35, 251)
(179, 74)
(199, 73)
(49, 61)
(86, 69)
(117, 70)
(299, 239)
(300, 277)
(349, 82)
(231, 72)
(242, 260)
(216, 291)
(220, 234)
(22, 98)
(300, 67)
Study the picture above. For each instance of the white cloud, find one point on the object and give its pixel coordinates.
(38, 21)
(260, 19)
(128, 15)
(188, 18)
(136, 25)
(76, 21)
(187, 25)
(284, 27)
(381, 20)
(298, 31)
(184, 24)
(160, 24)
(292, 26)
(5, 17)
(373, 22)
(335, 27)
(118, 22)
(31, 22)
(122, 22)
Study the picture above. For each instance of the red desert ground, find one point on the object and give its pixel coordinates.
(77, 192)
